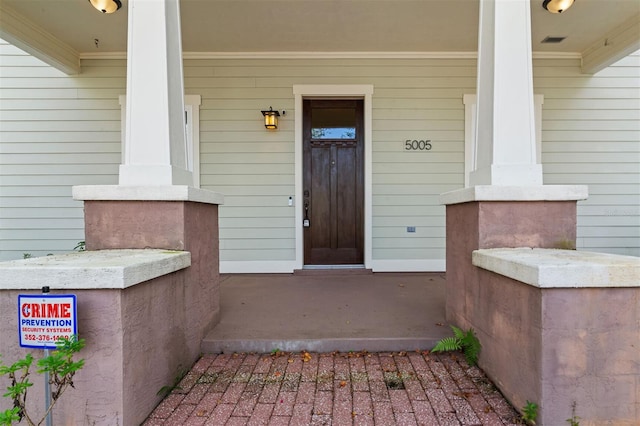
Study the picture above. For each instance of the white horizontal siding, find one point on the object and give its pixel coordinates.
(255, 168)
(591, 135)
(57, 131)
(435, 219)
(406, 184)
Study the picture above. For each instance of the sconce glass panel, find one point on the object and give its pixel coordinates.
(270, 121)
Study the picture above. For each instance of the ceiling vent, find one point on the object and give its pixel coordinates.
(549, 39)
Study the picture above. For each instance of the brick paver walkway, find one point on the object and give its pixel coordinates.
(412, 388)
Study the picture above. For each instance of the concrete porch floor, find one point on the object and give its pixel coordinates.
(333, 310)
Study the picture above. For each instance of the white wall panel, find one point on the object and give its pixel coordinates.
(57, 131)
(591, 135)
(52, 136)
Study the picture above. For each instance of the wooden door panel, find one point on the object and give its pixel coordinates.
(320, 200)
(346, 202)
(333, 171)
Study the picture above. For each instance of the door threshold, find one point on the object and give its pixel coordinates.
(332, 270)
(333, 266)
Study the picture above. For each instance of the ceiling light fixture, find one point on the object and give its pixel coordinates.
(557, 6)
(106, 6)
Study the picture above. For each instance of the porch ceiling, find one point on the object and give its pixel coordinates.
(66, 30)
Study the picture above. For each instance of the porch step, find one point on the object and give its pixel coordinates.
(372, 344)
(329, 312)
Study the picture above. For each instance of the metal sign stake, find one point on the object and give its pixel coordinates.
(47, 385)
(43, 320)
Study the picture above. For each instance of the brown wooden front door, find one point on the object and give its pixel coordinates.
(333, 191)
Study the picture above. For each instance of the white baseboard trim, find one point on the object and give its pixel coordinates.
(257, 267)
(288, 266)
(409, 265)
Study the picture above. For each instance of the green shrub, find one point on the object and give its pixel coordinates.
(61, 368)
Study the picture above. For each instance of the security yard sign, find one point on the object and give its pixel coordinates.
(44, 318)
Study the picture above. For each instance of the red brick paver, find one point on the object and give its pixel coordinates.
(416, 388)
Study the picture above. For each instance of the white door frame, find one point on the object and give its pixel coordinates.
(363, 91)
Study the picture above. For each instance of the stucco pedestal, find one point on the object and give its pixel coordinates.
(489, 217)
(560, 327)
(497, 312)
(139, 338)
(167, 217)
(136, 317)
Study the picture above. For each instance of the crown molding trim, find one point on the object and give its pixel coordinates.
(26, 35)
(333, 55)
(615, 45)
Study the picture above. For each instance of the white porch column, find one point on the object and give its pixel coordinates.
(505, 132)
(155, 128)
(506, 205)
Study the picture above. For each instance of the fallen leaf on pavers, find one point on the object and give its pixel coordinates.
(306, 356)
(277, 374)
(439, 324)
(290, 361)
(464, 395)
(201, 413)
(343, 383)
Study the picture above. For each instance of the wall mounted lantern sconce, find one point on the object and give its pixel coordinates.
(271, 118)
(106, 6)
(557, 6)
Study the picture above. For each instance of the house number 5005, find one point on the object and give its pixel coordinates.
(417, 145)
